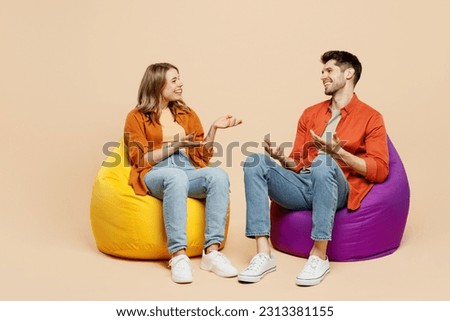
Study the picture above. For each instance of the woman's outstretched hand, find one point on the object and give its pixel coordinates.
(221, 122)
(226, 121)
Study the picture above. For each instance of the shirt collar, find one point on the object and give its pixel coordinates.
(347, 109)
(178, 111)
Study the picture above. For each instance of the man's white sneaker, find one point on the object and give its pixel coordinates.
(259, 266)
(181, 269)
(313, 272)
(218, 263)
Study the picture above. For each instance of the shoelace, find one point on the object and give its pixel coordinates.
(311, 265)
(174, 261)
(256, 262)
(222, 258)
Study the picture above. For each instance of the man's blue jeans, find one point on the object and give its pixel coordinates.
(323, 190)
(174, 179)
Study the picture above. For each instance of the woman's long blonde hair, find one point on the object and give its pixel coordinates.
(150, 90)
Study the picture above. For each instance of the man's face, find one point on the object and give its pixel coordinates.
(333, 78)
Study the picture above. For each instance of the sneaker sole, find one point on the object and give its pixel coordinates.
(254, 279)
(311, 282)
(182, 281)
(219, 273)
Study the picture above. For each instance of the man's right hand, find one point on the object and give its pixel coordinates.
(274, 152)
(278, 154)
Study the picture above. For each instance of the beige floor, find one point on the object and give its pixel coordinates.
(56, 259)
(70, 72)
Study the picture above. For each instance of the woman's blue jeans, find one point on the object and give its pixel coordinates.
(173, 180)
(324, 190)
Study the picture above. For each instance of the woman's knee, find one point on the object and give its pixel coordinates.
(174, 177)
(218, 175)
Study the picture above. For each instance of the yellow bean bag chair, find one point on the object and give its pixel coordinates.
(131, 226)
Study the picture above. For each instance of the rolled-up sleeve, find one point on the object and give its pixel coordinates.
(377, 155)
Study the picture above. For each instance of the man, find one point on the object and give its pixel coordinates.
(340, 151)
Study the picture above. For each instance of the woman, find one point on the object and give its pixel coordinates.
(169, 153)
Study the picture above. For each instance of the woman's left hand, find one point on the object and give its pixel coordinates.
(226, 121)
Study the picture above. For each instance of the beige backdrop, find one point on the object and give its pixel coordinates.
(70, 71)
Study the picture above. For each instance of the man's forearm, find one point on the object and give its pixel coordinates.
(356, 163)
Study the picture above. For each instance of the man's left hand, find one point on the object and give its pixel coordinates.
(330, 147)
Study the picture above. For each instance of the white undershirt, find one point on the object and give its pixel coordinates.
(331, 126)
(327, 134)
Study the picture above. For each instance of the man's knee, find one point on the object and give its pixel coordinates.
(256, 161)
(323, 165)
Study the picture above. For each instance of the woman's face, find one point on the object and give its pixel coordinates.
(172, 90)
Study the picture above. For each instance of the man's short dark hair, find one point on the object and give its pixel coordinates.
(344, 60)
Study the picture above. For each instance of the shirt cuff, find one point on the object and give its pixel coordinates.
(371, 169)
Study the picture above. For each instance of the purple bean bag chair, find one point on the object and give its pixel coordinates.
(373, 230)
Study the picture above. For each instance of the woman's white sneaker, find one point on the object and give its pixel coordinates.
(181, 269)
(218, 263)
(259, 266)
(313, 272)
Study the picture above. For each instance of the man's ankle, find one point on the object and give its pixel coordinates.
(321, 255)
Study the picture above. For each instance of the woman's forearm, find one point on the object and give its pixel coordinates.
(209, 139)
(157, 155)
